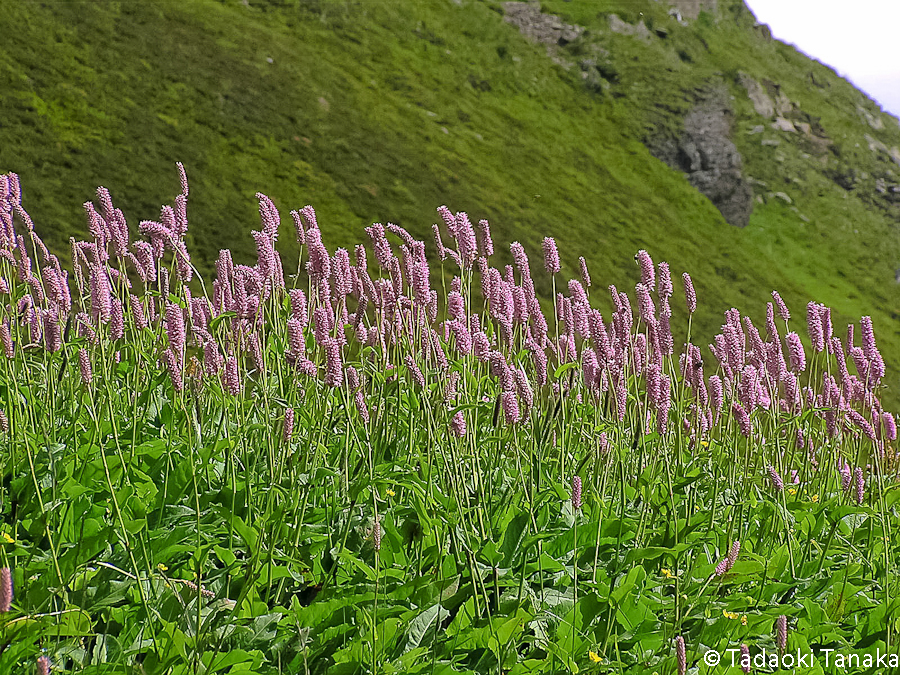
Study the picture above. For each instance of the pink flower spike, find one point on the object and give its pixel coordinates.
(733, 553)
(868, 337)
(860, 486)
(510, 406)
(449, 220)
(890, 426)
(796, 353)
(361, 407)
(173, 365)
(6, 589)
(458, 425)
(231, 377)
(551, 256)
(288, 425)
(721, 568)
(648, 273)
(414, 371)
(376, 535)
(814, 324)
(175, 328)
(777, 482)
(183, 177)
(585, 276)
(576, 492)
(782, 308)
(334, 372)
(689, 293)
(299, 227)
(646, 309)
(442, 252)
(665, 280)
(485, 244)
(781, 630)
(743, 419)
(520, 259)
(84, 363)
(680, 655)
(846, 477)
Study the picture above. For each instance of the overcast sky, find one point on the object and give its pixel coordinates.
(859, 39)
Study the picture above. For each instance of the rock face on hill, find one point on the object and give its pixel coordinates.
(544, 28)
(690, 9)
(704, 151)
(709, 158)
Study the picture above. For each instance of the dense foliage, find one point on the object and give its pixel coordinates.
(362, 468)
(378, 111)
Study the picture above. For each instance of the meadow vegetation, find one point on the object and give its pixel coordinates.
(377, 111)
(356, 465)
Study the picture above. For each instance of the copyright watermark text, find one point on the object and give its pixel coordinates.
(742, 657)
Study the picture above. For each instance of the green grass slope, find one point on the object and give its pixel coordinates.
(381, 111)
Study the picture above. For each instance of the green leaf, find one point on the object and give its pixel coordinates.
(564, 367)
(422, 624)
(512, 538)
(625, 586)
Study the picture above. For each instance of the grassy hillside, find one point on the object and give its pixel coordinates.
(254, 486)
(383, 111)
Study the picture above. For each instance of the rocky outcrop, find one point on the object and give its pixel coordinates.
(873, 121)
(706, 154)
(762, 104)
(639, 30)
(544, 28)
(690, 9)
(877, 146)
(763, 30)
(704, 151)
(550, 30)
(769, 101)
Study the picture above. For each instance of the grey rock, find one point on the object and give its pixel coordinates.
(706, 154)
(762, 103)
(873, 121)
(877, 146)
(690, 9)
(782, 124)
(639, 30)
(763, 30)
(546, 29)
(800, 215)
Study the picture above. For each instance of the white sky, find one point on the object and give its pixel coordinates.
(859, 39)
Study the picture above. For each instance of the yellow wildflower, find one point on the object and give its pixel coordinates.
(744, 620)
(729, 615)
(667, 573)
(391, 493)
(162, 568)
(792, 491)
(5, 537)
(815, 498)
(705, 444)
(593, 656)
